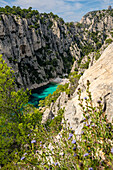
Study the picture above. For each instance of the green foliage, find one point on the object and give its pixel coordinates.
(54, 62)
(110, 12)
(14, 135)
(50, 24)
(111, 34)
(53, 16)
(79, 61)
(79, 25)
(93, 35)
(42, 20)
(76, 69)
(105, 36)
(97, 55)
(98, 45)
(85, 66)
(10, 100)
(109, 41)
(67, 61)
(70, 24)
(36, 26)
(17, 118)
(26, 13)
(86, 49)
(61, 20)
(55, 122)
(88, 46)
(26, 143)
(73, 78)
(92, 150)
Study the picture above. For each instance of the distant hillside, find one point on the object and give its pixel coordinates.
(42, 46)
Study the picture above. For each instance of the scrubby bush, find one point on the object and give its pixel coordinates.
(71, 24)
(97, 55)
(73, 76)
(86, 49)
(98, 45)
(85, 65)
(61, 20)
(26, 13)
(17, 118)
(79, 25)
(109, 41)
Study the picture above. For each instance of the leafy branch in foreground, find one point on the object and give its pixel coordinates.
(16, 118)
(11, 101)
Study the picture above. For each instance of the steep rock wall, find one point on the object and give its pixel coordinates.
(100, 76)
(43, 46)
(37, 49)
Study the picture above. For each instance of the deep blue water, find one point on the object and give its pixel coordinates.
(41, 92)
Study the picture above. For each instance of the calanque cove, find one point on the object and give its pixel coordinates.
(72, 127)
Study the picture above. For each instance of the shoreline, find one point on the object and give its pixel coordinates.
(57, 80)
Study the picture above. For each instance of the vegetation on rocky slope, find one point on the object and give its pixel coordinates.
(26, 143)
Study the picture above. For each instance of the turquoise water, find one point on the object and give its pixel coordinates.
(41, 92)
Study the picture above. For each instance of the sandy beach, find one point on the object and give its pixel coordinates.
(60, 80)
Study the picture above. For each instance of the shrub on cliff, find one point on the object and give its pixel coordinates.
(109, 41)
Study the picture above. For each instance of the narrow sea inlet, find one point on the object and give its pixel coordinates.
(41, 92)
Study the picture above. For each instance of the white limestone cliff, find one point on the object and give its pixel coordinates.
(100, 76)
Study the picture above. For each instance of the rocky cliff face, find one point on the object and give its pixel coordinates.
(37, 49)
(98, 20)
(100, 76)
(42, 46)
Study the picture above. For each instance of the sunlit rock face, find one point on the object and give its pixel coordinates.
(100, 76)
(43, 47)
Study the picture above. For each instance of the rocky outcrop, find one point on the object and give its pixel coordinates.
(100, 76)
(52, 111)
(98, 20)
(43, 46)
(38, 49)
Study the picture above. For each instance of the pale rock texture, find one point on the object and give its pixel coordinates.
(52, 111)
(100, 76)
